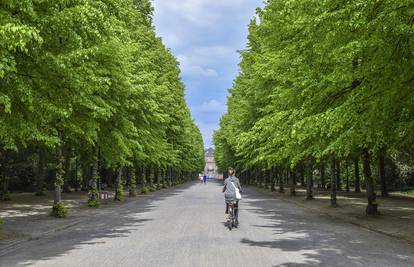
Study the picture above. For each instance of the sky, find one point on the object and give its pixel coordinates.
(205, 35)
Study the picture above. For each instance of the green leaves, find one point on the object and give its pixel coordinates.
(96, 71)
(320, 79)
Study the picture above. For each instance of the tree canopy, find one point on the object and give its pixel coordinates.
(93, 76)
(321, 80)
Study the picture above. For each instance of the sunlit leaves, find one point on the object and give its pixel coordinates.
(95, 71)
(321, 79)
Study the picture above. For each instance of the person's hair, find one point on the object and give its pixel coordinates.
(232, 171)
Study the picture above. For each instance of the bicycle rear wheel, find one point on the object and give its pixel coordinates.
(231, 218)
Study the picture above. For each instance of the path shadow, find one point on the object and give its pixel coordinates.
(319, 240)
(114, 222)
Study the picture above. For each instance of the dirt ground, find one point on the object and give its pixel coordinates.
(396, 212)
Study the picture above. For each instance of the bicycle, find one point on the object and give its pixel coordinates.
(232, 219)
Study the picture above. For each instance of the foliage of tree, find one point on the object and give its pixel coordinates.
(323, 82)
(90, 81)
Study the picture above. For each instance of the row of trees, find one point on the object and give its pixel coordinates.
(323, 84)
(88, 83)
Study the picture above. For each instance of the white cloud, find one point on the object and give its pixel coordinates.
(205, 35)
(184, 21)
(199, 60)
(191, 67)
(200, 13)
(213, 106)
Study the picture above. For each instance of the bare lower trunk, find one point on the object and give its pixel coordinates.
(4, 178)
(273, 179)
(302, 175)
(281, 183)
(59, 171)
(147, 176)
(119, 190)
(76, 174)
(372, 207)
(150, 177)
(132, 183)
(381, 168)
(85, 171)
(158, 177)
(40, 174)
(249, 177)
(93, 183)
(309, 183)
(338, 175)
(169, 176)
(347, 177)
(357, 177)
(5, 195)
(66, 188)
(293, 183)
(323, 182)
(333, 183)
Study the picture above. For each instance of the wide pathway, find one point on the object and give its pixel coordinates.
(185, 227)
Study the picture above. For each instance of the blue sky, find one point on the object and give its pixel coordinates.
(205, 35)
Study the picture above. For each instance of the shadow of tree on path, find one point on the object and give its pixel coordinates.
(116, 222)
(319, 240)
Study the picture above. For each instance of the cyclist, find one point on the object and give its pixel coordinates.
(229, 189)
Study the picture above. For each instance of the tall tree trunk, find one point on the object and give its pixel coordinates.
(165, 178)
(273, 179)
(323, 182)
(169, 176)
(60, 172)
(281, 183)
(333, 183)
(143, 180)
(140, 176)
(338, 175)
(99, 169)
(347, 176)
(158, 178)
(382, 175)
(357, 177)
(293, 183)
(66, 188)
(150, 177)
(372, 207)
(4, 177)
(119, 188)
(146, 176)
(93, 183)
(5, 194)
(76, 174)
(302, 175)
(262, 178)
(85, 171)
(40, 173)
(132, 182)
(58, 209)
(309, 182)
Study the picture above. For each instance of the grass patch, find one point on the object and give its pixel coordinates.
(59, 210)
(144, 190)
(93, 203)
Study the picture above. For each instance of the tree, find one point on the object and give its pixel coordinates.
(316, 83)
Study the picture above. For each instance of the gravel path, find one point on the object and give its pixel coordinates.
(185, 227)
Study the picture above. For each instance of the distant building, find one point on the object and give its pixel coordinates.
(211, 169)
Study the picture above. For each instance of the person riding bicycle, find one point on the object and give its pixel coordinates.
(229, 189)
